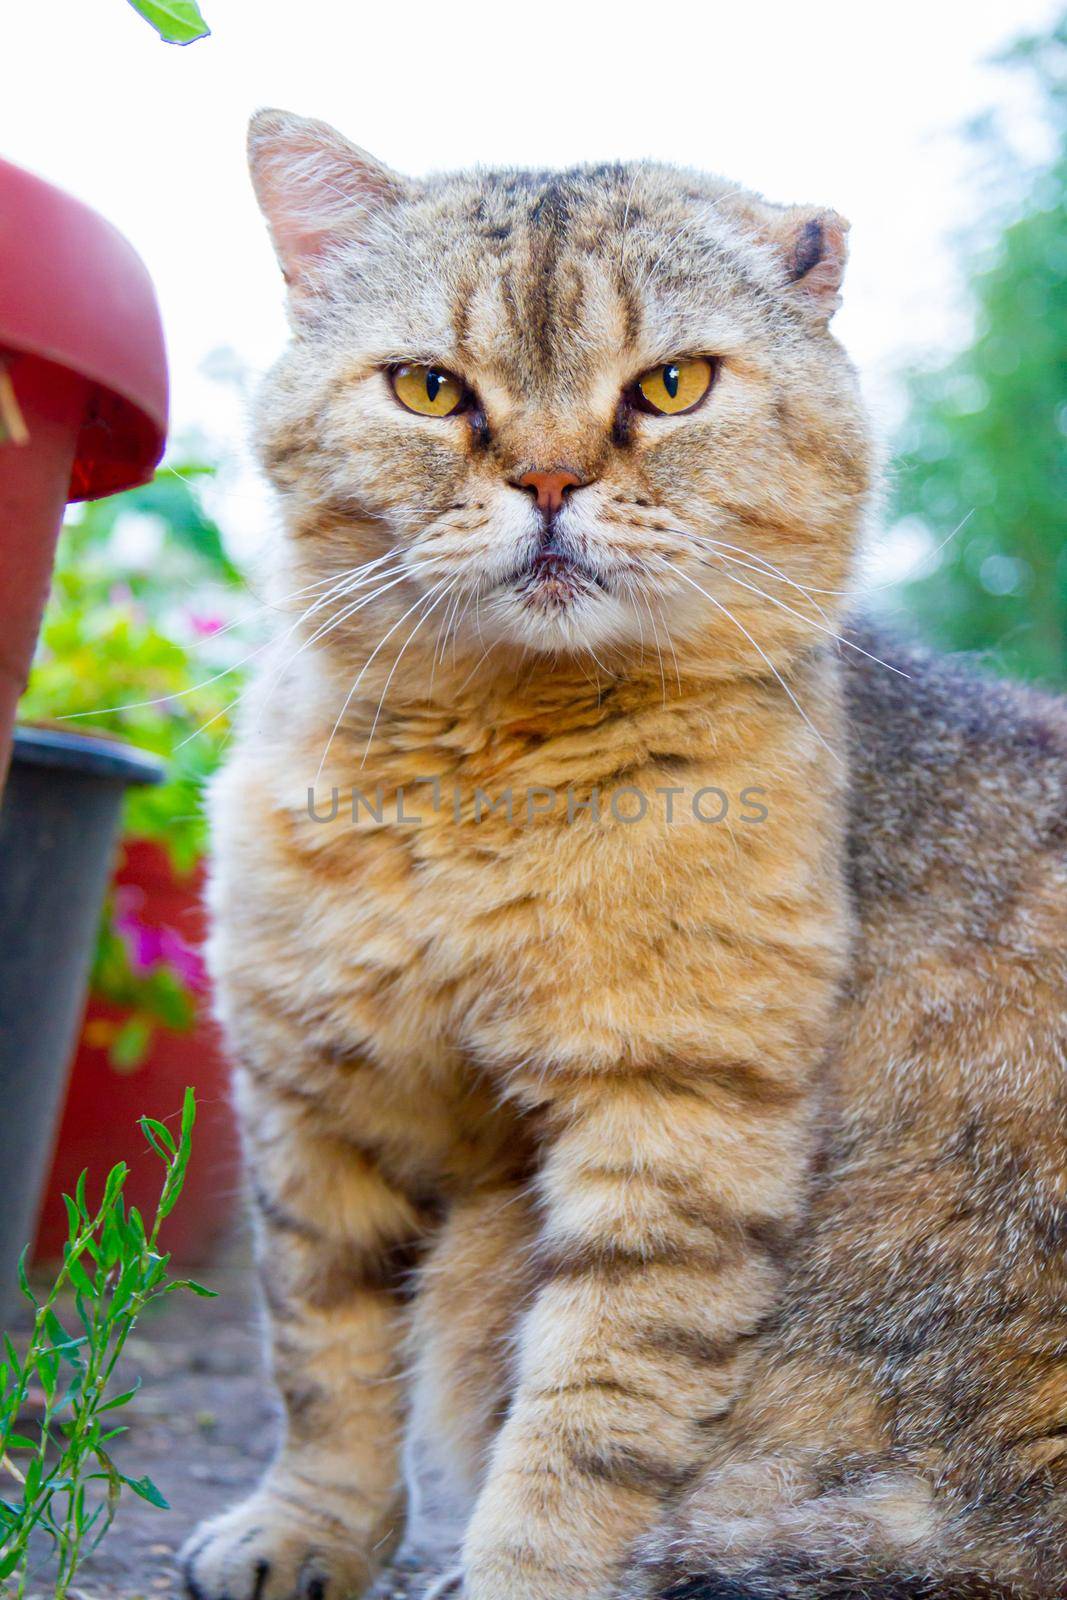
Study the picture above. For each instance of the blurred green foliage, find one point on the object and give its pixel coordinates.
(985, 442)
(132, 643)
(136, 642)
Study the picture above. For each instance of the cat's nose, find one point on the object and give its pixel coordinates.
(549, 489)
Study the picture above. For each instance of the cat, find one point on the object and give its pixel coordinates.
(645, 989)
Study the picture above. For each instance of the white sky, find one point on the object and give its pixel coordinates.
(832, 101)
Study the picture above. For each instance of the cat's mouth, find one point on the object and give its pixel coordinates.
(552, 579)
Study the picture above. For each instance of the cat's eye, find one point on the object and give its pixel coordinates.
(429, 391)
(676, 386)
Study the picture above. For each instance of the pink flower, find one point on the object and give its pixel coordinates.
(184, 958)
(148, 947)
(204, 625)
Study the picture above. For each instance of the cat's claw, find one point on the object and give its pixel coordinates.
(264, 1550)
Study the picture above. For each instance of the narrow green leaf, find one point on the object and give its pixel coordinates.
(115, 1180)
(176, 21)
(120, 1399)
(23, 1280)
(159, 1137)
(135, 1233)
(194, 1288)
(47, 1367)
(78, 1276)
(147, 1491)
(74, 1219)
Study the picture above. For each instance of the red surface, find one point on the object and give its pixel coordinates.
(33, 494)
(99, 1123)
(81, 335)
(75, 293)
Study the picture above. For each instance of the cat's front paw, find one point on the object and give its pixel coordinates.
(530, 1563)
(266, 1548)
(533, 1536)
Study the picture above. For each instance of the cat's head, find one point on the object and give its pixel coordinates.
(568, 412)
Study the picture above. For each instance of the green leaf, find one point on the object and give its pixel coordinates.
(115, 1180)
(188, 1116)
(78, 1275)
(9, 1562)
(176, 21)
(23, 1281)
(47, 1367)
(121, 1399)
(74, 1218)
(147, 1491)
(194, 1288)
(64, 1345)
(18, 1441)
(158, 1134)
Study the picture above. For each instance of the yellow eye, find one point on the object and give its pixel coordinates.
(676, 385)
(428, 390)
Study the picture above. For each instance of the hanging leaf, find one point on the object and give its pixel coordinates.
(147, 1491)
(176, 21)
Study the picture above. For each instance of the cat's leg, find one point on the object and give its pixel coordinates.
(335, 1236)
(667, 1196)
(474, 1283)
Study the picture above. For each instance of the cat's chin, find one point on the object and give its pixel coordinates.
(558, 618)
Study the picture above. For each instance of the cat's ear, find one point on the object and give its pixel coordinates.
(314, 188)
(815, 247)
(812, 246)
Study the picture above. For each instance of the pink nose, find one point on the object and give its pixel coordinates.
(550, 488)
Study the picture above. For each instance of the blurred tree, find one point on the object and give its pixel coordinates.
(986, 435)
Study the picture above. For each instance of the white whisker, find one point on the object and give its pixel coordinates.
(178, 694)
(442, 591)
(793, 612)
(333, 622)
(760, 651)
(363, 669)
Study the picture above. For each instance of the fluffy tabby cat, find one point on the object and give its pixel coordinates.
(691, 1196)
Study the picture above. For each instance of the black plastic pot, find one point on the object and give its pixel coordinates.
(59, 822)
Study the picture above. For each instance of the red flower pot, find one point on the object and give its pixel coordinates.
(83, 393)
(99, 1122)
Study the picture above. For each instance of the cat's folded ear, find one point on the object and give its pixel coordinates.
(315, 189)
(811, 245)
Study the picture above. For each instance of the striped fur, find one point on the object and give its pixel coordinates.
(655, 1183)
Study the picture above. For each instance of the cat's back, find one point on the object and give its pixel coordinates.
(959, 795)
(958, 868)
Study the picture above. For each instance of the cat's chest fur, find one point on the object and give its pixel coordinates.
(530, 897)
